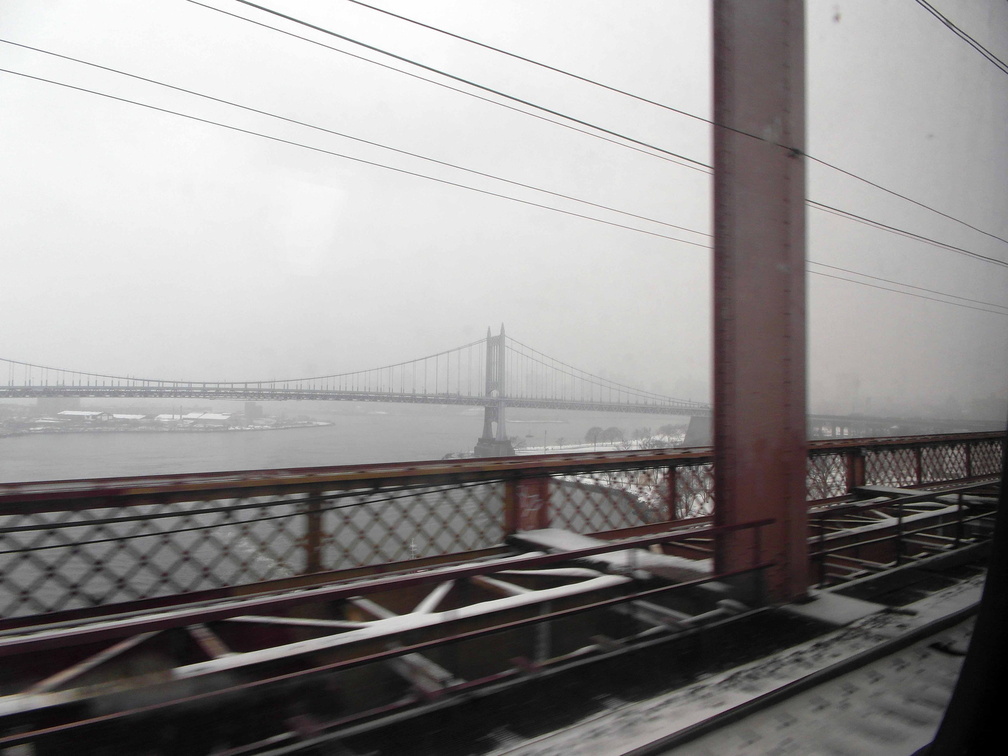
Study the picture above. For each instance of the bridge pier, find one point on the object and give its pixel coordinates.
(491, 447)
(699, 432)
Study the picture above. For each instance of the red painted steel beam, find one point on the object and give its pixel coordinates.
(60, 495)
(196, 486)
(113, 627)
(206, 696)
(759, 285)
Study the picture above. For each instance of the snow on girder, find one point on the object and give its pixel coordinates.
(627, 560)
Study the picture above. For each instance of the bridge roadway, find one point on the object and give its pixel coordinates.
(251, 392)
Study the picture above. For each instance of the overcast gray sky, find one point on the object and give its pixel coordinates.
(135, 241)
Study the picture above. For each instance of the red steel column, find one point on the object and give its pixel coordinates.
(759, 287)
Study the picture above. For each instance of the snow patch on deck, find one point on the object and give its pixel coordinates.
(624, 561)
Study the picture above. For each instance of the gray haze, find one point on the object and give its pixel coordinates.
(139, 242)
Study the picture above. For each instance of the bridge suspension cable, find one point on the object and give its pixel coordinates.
(456, 372)
(457, 376)
(533, 374)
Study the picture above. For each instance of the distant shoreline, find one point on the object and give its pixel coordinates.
(53, 431)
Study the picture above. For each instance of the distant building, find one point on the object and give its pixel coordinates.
(84, 416)
(198, 419)
(208, 418)
(120, 418)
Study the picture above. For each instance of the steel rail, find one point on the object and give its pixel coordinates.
(788, 690)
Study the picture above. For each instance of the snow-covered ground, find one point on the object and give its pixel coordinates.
(652, 442)
(890, 706)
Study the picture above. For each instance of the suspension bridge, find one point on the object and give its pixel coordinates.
(496, 373)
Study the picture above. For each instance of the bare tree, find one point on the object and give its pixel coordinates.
(610, 434)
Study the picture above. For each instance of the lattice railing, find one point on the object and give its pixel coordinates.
(372, 528)
(56, 560)
(827, 475)
(920, 463)
(77, 544)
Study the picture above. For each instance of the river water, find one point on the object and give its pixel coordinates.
(358, 434)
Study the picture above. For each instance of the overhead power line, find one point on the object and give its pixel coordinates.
(903, 232)
(482, 191)
(911, 200)
(545, 66)
(687, 114)
(697, 163)
(907, 293)
(462, 80)
(346, 136)
(998, 63)
(702, 168)
(909, 286)
(813, 203)
(373, 163)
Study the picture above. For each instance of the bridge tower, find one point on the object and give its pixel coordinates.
(494, 441)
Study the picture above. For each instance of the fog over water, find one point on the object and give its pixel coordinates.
(359, 434)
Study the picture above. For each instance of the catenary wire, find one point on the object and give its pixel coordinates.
(904, 197)
(462, 80)
(348, 136)
(464, 186)
(362, 161)
(687, 114)
(903, 232)
(909, 286)
(907, 293)
(701, 169)
(972, 42)
(702, 165)
(547, 67)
